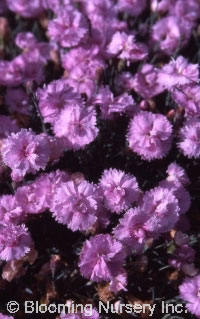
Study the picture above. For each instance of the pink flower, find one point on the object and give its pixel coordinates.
(162, 208)
(177, 174)
(126, 48)
(15, 242)
(101, 258)
(76, 205)
(25, 8)
(182, 255)
(131, 230)
(7, 126)
(169, 33)
(190, 292)
(188, 96)
(54, 97)
(69, 28)
(177, 73)
(110, 104)
(119, 190)
(25, 152)
(18, 101)
(119, 283)
(146, 83)
(78, 125)
(150, 135)
(5, 316)
(132, 7)
(10, 211)
(189, 138)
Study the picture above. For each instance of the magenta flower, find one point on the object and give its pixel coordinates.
(150, 135)
(132, 7)
(169, 33)
(110, 104)
(189, 138)
(119, 190)
(69, 28)
(126, 48)
(10, 211)
(190, 292)
(25, 152)
(162, 209)
(54, 97)
(188, 97)
(119, 282)
(76, 205)
(25, 8)
(101, 258)
(177, 174)
(177, 73)
(78, 125)
(7, 126)
(131, 230)
(15, 242)
(146, 83)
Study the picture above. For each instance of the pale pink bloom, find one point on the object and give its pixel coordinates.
(177, 73)
(25, 152)
(15, 242)
(189, 138)
(119, 190)
(101, 258)
(78, 125)
(125, 47)
(190, 292)
(146, 83)
(69, 28)
(76, 205)
(150, 135)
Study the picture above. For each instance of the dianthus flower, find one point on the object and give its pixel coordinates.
(150, 135)
(18, 100)
(101, 258)
(76, 205)
(10, 211)
(25, 152)
(177, 174)
(182, 195)
(189, 138)
(46, 185)
(54, 97)
(162, 209)
(69, 28)
(132, 7)
(119, 282)
(110, 104)
(15, 242)
(26, 8)
(125, 47)
(188, 96)
(169, 33)
(190, 292)
(30, 201)
(145, 82)
(131, 230)
(178, 72)
(78, 125)
(7, 126)
(119, 190)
